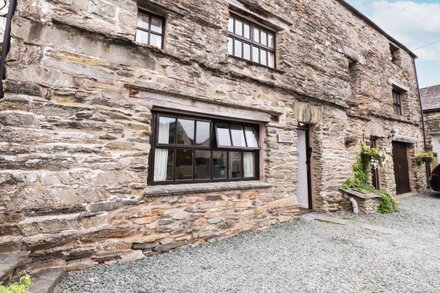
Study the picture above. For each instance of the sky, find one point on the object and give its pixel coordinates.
(414, 23)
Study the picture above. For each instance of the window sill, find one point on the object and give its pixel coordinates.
(181, 189)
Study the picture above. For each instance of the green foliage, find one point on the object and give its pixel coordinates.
(388, 204)
(424, 157)
(20, 287)
(361, 179)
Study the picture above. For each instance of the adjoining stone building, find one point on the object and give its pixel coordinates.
(141, 126)
(431, 109)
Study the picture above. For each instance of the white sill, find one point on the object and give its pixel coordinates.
(181, 189)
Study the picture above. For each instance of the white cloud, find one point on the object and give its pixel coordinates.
(414, 24)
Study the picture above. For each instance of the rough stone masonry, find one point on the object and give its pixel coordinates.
(76, 120)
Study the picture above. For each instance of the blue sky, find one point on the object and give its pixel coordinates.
(414, 23)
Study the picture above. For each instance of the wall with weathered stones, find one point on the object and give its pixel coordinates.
(432, 124)
(75, 122)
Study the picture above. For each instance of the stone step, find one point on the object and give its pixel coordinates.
(58, 223)
(9, 263)
(46, 280)
(11, 244)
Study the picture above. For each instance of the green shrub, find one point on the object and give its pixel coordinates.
(20, 287)
(388, 204)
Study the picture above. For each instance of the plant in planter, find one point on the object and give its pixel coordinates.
(372, 156)
(360, 182)
(426, 157)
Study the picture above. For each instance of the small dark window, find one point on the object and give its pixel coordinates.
(395, 54)
(150, 29)
(190, 149)
(397, 102)
(251, 42)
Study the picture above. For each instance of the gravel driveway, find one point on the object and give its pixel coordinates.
(380, 253)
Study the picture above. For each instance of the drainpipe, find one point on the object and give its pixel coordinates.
(355, 205)
(6, 43)
(425, 145)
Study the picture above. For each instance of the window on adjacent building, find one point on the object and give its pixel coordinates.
(397, 102)
(251, 42)
(189, 149)
(150, 29)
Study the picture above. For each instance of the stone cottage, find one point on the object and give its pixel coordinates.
(431, 109)
(135, 127)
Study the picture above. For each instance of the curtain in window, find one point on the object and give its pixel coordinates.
(249, 165)
(161, 155)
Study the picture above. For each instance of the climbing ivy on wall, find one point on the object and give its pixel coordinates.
(361, 182)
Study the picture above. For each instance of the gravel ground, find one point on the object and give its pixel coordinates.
(303, 256)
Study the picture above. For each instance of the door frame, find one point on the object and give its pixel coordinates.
(306, 127)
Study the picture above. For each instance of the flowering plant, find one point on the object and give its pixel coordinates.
(373, 156)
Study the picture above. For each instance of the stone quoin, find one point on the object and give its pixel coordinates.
(129, 128)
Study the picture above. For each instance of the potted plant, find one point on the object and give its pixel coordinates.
(425, 157)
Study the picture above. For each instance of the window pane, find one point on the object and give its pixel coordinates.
(263, 40)
(166, 130)
(239, 27)
(270, 40)
(184, 160)
(249, 165)
(203, 133)
(223, 135)
(247, 31)
(255, 54)
(185, 132)
(219, 161)
(156, 25)
(237, 136)
(263, 57)
(235, 165)
(231, 25)
(163, 165)
(143, 21)
(271, 60)
(230, 48)
(256, 35)
(247, 51)
(203, 165)
(155, 40)
(251, 137)
(141, 37)
(237, 48)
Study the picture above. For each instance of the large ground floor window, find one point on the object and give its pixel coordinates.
(189, 149)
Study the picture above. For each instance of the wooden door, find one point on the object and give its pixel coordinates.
(401, 167)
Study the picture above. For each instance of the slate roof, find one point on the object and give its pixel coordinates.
(430, 97)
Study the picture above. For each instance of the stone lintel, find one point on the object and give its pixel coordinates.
(181, 189)
(270, 19)
(410, 140)
(178, 102)
(398, 85)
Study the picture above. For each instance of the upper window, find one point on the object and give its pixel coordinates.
(395, 54)
(249, 41)
(188, 149)
(397, 102)
(150, 29)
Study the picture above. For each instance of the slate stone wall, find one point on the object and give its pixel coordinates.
(75, 122)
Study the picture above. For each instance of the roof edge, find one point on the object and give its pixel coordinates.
(376, 27)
